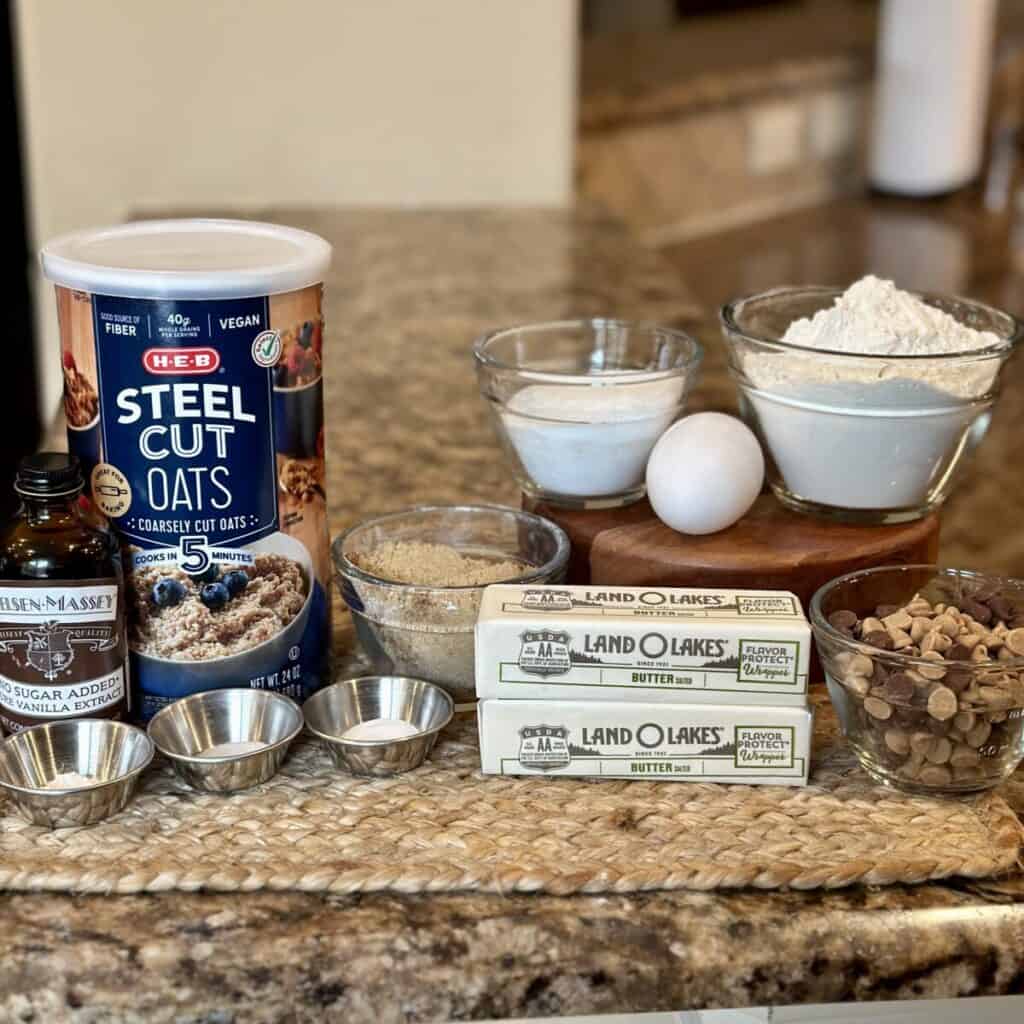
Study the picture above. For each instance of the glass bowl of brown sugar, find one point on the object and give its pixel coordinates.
(413, 581)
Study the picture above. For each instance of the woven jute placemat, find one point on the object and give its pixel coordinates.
(446, 827)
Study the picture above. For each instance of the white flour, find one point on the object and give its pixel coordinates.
(877, 318)
(871, 433)
(590, 441)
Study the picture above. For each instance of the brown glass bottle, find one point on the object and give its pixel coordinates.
(63, 648)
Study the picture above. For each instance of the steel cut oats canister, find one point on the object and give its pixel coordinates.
(192, 353)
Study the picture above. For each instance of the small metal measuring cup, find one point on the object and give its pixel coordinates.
(112, 755)
(342, 705)
(182, 731)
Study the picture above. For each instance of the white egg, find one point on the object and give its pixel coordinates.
(704, 473)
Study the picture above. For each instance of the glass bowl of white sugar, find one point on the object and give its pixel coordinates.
(579, 404)
(866, 401)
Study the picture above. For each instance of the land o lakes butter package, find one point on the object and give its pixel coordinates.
(629, 740)
(657, 644)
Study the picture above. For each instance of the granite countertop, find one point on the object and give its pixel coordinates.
(407, 294)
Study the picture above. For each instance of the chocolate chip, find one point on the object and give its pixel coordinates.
(977, 611)
(1002, 607)
(910, 718)
(879, 638)
(899, 687)
(843, 620)
(958, 652)
(958, 679)
(886, 609)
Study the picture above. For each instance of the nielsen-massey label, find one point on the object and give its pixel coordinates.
(62, 652)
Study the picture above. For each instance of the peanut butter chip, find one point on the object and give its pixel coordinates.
(921, 743)
(898, 620)
(1015, 641)
(877, 708)
(965, 721)
(897, 741)
(935, 775)
(964, 757)
(899, 639)
(940, 750)
(995, 697)
(942, 703)
(930, 672)
(979, 735)
(861, 665)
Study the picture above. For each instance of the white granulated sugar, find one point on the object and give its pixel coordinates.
(591, 440)
(874, 317)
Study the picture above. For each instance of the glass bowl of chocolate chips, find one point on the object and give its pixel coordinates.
(925, 667)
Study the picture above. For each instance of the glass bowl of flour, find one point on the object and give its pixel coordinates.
(579, 404)
(866, 401)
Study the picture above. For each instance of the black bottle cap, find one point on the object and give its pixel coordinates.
(49, 475)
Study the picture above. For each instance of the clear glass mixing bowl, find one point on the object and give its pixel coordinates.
(861, 438)
(579, 404)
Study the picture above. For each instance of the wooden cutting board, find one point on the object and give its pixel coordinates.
(771, 548)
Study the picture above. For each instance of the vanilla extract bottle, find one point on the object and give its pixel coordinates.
(63, 648)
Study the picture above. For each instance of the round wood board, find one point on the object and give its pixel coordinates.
(770, 548)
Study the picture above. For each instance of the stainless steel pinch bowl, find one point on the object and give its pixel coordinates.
(339, 707)
(73, 772)
(222, 741)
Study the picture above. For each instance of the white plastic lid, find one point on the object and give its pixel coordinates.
(187, 259)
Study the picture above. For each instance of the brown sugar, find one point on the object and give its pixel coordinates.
(436, 565)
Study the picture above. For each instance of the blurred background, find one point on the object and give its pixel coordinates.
(750, 143)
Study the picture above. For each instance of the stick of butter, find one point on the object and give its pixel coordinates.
(642, 643)
(627, 740)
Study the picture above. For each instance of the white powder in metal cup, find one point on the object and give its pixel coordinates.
(871, 433)
(72, 780)
(233, 749)
(380, 729)
(590, 440)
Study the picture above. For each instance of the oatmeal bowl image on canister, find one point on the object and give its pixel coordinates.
(185, 328)
(229, 625)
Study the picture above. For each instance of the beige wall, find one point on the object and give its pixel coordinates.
(136, 105)
(133, 103)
